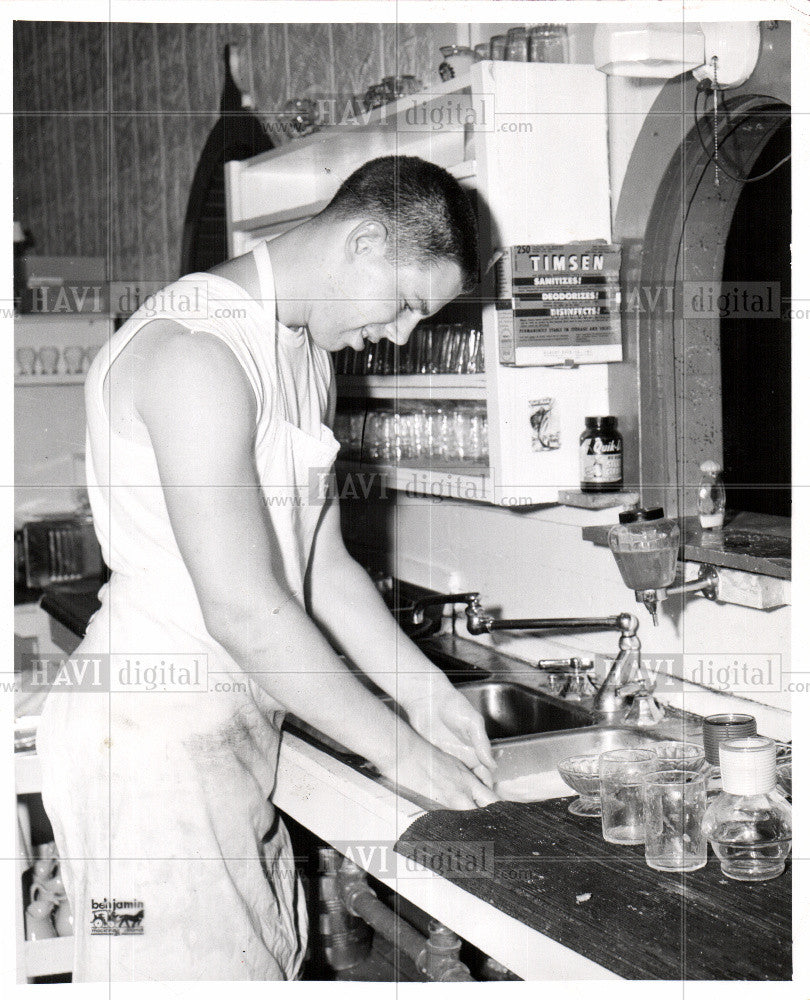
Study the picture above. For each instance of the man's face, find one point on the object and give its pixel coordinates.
(373, 296)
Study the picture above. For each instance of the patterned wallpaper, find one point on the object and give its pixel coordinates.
(110, 119)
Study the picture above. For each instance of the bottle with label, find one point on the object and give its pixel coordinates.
(711, 496)
(600, 456)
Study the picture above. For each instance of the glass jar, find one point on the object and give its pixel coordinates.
(517, 45)
(456, 61)
(600, 456)
(645, 546)
(749, 823)
(482, 50)
(497, 48)
(548, 43)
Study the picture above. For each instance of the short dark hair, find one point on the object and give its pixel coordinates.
(425, 208)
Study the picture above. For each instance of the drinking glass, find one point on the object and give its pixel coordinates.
(621, 790)
(676, 756)
(497, 47)
(26, 359)
(377, 444)
(74, 355)
(517, 45)
(49, 360)
(440, 333)
(674, 804)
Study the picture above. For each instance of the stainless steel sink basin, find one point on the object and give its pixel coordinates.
(527, 766)
(513, 710)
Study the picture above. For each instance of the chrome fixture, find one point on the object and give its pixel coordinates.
(417, 611)
(623, 680)
(705, 584)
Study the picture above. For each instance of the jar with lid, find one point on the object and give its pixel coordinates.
(517, 45)
(456, 61)
(749, 823)
(497, 48)
(548, 43)
(601, 456)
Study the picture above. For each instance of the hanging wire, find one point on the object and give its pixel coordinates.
(703, 87)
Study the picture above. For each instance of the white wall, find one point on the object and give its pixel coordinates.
(537, 565)
(49, 420)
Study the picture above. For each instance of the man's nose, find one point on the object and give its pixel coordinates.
(400, 329)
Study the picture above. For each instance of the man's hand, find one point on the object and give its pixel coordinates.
(428, 770)
(447, 720)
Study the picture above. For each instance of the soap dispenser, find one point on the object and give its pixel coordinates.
(645, 546)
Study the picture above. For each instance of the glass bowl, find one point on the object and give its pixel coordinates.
(582, 774)
(674, 755)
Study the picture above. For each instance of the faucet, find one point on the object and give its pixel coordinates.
(609, 702)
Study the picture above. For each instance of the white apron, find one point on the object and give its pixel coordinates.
(173, 858)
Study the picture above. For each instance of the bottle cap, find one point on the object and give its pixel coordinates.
(601, 423)
(717, 728)
(748, 765)
(711, 467)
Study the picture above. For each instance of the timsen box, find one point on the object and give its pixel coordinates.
(559, 303)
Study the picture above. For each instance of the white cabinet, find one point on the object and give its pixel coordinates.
(531, 139)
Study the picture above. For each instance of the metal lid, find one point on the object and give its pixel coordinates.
(601, 423)
(636, 514)
(748, 766)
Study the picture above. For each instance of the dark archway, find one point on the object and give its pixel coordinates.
(237, 135)
(684, 254)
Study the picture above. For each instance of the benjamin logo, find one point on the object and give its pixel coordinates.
(116, 916)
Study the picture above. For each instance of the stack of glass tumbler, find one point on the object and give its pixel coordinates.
(416, 433)
(432, 349)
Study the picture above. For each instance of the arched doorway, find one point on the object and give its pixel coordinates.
(674, 225)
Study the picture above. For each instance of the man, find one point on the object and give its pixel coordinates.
(202, 438)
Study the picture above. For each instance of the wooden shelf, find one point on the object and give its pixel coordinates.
(389, 116)
(412, 386)
(464, 171)
(32, 380)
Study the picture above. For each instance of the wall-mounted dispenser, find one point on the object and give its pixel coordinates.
(645, 546)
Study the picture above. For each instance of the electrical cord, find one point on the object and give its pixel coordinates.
(704, 87)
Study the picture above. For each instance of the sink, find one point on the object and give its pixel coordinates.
(513, 710)
(527, 766)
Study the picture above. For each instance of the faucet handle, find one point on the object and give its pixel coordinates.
(570, 665)
(644, 709)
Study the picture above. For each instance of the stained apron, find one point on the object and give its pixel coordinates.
(174, 860)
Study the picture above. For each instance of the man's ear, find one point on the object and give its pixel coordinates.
(368, 237)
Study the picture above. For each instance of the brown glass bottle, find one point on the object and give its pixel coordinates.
(601, 456)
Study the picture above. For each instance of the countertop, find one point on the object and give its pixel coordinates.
(365, 820)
